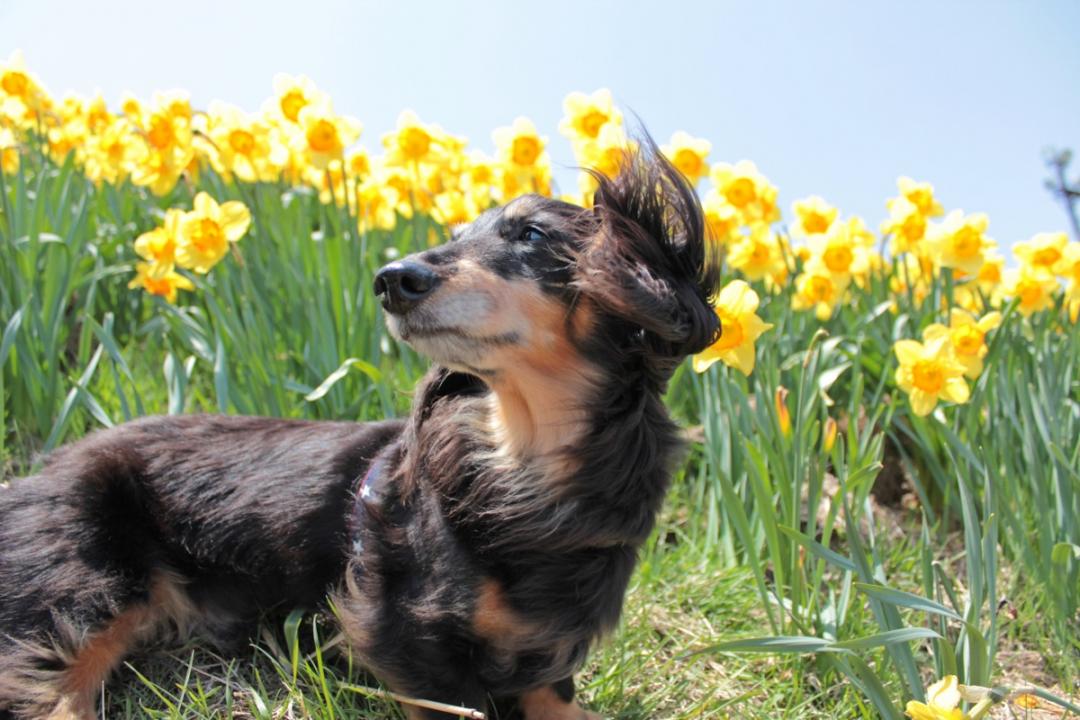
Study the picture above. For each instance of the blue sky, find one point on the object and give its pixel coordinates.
(832, 98)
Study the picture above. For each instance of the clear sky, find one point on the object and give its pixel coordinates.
(829, 98)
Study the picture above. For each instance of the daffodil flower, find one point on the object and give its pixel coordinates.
(967, 336)
(740, 327)
(929, 373)
(206, 231)
(941, 703)
(159, 280)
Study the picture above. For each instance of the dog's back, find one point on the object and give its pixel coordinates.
(169, 521)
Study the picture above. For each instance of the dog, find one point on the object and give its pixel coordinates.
(473, 551)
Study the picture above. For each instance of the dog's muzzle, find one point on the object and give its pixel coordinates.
(402, 285)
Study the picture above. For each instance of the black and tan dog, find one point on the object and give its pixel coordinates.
(473, 552)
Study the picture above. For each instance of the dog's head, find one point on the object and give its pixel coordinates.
(543, 287)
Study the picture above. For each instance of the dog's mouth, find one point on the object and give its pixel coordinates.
(409, 330)
(451, 346)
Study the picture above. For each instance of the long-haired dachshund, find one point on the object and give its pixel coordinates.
(472, 552)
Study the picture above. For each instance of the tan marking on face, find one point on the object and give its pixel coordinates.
(544, 384)
(545, 704)
(541, 383)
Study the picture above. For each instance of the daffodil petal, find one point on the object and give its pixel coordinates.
(956, 390)
(908, 352)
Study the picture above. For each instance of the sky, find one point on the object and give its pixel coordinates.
(829, 98)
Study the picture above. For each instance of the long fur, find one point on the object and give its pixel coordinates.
(482, 568)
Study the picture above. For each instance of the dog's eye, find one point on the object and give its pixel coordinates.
(532, 234)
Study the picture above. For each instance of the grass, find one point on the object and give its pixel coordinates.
(770, 539)
(679, 602)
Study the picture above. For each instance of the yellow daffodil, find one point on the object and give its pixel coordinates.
(1043, 252)
(244, 146)
(984, 287)
(26, 96)
(604, 155)
(65, 139)
(813, 216)
(967, 337)
(721, 218)
(375, 205)
(401, 188)
(358, 163)
(783, 415)
(513, 181)
(174, 103)
(109, 154)
(324, 135)
(585, 115)
(204, 234)
(928, 373)
(520, 144)
(131, 106)
(160, 280)
(688, 154)
(166, 133)
(736, 307)
(860, 233)
(291, 95)
(837, 253)
(411, 142)
(817, 289)
(523, 163)
(990, 272)
(941, 703)
(828, 435)
(9, 152)
(960, 241)
(758, 255)
(921, 195)
(160, 171)
(906, 224)
(1069, 266)
(479, 176)
(454, 208)
(744, 187)
(166, 152)
(159, 245)
(912, 274)
(14, 79)
(1035, 288)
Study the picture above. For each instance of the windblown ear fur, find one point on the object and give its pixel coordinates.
(650, 263)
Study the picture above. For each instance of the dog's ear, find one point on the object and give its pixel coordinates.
(650, 263)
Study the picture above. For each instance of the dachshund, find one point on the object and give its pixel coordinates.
(472, 552)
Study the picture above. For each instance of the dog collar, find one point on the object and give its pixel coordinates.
(367, 497)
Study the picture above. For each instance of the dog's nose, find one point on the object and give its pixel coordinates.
(401, 285)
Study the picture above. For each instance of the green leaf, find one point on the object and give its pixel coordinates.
(9, 334)
(830, 556)
(798, 644)
(887, 638)
(343, 370)
(906, 599)
(1063, 551)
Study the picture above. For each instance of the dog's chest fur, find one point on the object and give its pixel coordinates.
(466, 561)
